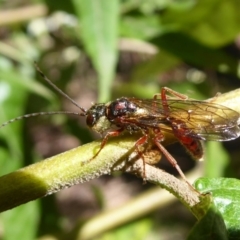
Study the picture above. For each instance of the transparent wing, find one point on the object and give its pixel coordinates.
(199, 119)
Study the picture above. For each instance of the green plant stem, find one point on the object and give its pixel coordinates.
(73, 167)
(61, 171)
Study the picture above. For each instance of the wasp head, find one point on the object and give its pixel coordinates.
(96, 118)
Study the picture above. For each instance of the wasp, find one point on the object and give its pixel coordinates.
(189, 121)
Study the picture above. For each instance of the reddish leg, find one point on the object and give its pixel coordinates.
(159, 138)
(104, 141)
(163, 97)
(177, 132)
(163, 94)
(140, 142)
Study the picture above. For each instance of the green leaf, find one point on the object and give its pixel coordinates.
(21, 221)
(99, 33)
(22, 81)
(210, 227)
(140, 27)
(12, 102)
(226, 197)
(176, 18)
(221, 26)
(211, 22)
(161, 62)
(191, 51)
(14, 87)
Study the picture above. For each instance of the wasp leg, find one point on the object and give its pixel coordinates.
(104, 141)
(165, 90)
(159, 138)
(140, 142)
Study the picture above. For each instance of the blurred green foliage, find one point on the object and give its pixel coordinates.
(97, 51)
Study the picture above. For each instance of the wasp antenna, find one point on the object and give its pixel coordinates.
(40, 114)
(57, 89)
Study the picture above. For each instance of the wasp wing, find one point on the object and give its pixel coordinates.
(199, 119)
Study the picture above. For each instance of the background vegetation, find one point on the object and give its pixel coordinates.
(96, 51)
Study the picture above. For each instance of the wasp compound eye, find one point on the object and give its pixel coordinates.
(91, 120)
(94, 114)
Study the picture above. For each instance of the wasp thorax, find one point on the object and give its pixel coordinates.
(120, 107)
(96, 118)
